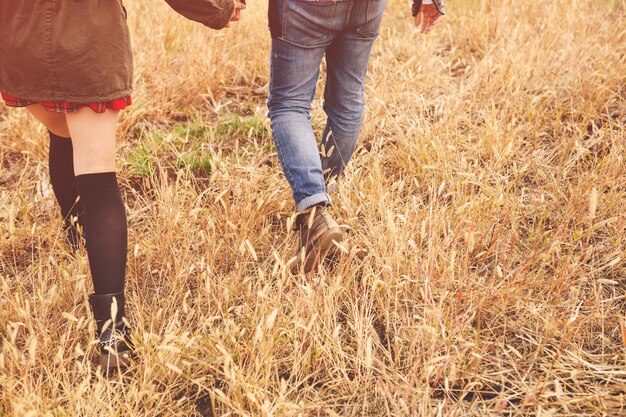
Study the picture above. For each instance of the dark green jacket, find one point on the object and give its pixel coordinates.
(78, 50)
(417, 5)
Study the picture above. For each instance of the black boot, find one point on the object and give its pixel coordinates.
(115, 344)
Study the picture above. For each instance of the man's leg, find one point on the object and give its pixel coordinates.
(294, 73)
(297, 52)
(293, 77)
(347, 58)
(301, 32)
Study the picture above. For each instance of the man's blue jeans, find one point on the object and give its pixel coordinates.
(302, 33)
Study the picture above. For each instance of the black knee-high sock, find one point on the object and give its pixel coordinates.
(105, 230)
(61, 166)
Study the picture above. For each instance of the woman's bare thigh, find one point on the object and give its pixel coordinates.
(54, 122)
(93, 140)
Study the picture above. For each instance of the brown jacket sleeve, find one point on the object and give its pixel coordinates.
(212, 13)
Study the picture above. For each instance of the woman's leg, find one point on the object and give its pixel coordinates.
(93, 138)
(61, 168)
(86, 163)
(54, 122)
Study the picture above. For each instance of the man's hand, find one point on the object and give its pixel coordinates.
(239, 6)
(427, 17)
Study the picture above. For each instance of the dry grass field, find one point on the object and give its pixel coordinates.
(484, 270)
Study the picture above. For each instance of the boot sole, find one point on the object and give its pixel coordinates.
(111, 361)
(322, 246)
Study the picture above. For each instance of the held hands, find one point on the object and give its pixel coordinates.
(427, 17)
(239, 6)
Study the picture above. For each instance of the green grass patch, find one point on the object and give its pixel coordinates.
(198, 164)
(251, 127)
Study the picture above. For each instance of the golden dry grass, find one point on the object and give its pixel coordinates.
(484, 271)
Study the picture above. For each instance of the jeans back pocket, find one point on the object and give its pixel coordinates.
(367, 15)
(308, 23)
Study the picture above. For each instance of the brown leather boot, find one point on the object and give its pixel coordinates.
(318, 230)
(115, 344)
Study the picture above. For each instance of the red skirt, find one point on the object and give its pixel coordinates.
(64, 107)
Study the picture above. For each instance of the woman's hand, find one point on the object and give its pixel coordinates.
(427, 17)
(239, 6)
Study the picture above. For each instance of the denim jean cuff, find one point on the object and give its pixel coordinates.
(312, 200)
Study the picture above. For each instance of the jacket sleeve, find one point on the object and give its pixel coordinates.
(417, 5)
(212, 13)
